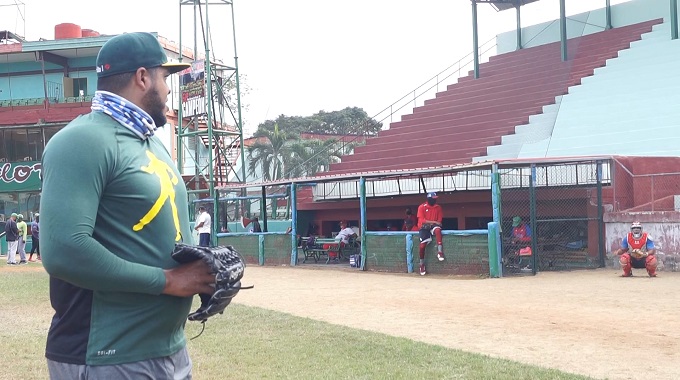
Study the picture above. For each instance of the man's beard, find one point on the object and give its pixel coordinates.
(155, 107)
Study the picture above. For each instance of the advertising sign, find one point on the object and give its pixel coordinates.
(20, 176)
(192, 88)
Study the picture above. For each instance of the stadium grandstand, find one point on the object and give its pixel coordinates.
(578, 127)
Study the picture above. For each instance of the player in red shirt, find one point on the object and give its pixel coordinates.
(430, 217)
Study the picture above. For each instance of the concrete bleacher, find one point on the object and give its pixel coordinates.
(514, 88)
(627, 107)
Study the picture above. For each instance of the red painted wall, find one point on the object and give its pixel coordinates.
(53, 113)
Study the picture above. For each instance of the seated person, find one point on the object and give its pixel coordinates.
(309, 243)
(345, 234)
(410, 221)
(520, 240)
(342, 238)
(521, 232)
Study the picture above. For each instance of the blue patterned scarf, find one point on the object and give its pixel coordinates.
(124, 112)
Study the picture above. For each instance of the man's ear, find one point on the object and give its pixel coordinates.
(142, 79)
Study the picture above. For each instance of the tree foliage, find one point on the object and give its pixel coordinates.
(349, 121)
(281, 152)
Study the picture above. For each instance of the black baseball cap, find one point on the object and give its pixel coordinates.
(128, 52)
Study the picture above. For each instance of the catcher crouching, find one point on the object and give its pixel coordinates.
(637, 251)
(227, 265)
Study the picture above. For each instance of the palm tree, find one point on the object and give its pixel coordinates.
(309, 157)
(271, 152)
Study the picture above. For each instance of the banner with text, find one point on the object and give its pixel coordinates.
(20, 176)
(192, 88)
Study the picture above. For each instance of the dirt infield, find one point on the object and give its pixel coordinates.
(582, 321)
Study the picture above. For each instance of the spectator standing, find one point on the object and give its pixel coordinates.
(12, 237)
(35, 238)
(256, 225)
(121, 302)
(203, 224)
(430, 218)
(23, 236)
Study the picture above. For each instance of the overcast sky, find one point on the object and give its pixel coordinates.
(303, 56)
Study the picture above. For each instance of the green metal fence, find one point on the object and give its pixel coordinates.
(467, 252)
(560, 206)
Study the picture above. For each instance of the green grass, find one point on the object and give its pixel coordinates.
(254, 343)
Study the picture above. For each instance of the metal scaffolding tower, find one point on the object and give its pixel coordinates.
(210, 124)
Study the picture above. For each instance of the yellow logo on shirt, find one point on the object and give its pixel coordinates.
(168, 180)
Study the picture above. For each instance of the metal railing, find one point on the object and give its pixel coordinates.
(414, 97)
(645, 192)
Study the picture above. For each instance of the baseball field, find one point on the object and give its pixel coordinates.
(329, 323)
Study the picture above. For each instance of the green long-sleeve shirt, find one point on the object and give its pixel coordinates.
(23, 229)
(113, 205)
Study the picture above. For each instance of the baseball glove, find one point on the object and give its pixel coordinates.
(638, 254)
(228, 267)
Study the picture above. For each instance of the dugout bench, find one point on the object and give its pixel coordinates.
(330, 248)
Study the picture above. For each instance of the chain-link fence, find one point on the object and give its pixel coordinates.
(467, 253)
(643, 192)
(551, 216)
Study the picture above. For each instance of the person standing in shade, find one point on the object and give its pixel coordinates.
(23, 236)
(430, 218)
(121, 302)
(203, 224)
(256, 225)
(35, 238)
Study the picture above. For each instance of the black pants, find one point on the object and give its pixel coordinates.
(36, 246)
(204, 240)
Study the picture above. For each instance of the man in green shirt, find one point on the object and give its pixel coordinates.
(120, 300)
(23, 235)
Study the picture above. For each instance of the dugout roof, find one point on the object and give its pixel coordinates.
(419, 172)
(502, 5)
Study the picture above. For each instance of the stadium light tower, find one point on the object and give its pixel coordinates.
(210, 124)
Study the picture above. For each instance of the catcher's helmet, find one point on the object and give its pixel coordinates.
(636, 229)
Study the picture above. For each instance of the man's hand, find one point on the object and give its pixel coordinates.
(227, 267)
(189, 279)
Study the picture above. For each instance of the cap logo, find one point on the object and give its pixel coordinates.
(104, 67)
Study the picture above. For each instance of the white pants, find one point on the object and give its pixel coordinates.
(12, 251)
(22, 248)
